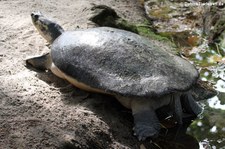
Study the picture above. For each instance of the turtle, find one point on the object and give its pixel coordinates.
(141, 75)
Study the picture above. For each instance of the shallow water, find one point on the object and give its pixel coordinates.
(209, 128)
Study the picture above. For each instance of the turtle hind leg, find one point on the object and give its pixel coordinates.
(178, 112)
(146, 123)
(39, 62)
(190, 105)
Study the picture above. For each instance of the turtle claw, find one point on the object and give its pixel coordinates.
(143, 131)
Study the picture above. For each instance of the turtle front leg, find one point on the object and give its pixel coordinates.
(146, 123)
(42, 62)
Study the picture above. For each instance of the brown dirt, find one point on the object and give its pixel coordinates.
(39, 110)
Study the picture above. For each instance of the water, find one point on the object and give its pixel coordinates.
(209, 129)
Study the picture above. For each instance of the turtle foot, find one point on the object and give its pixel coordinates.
(190, 105)
(143, 132)
(38, 62)
(146, 124)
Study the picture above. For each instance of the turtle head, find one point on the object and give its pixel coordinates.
(47, 28)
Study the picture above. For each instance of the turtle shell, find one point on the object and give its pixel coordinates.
(120, 62)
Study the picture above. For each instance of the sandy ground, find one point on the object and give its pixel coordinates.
(39, 110)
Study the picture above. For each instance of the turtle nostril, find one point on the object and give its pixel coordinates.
(35, 15)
